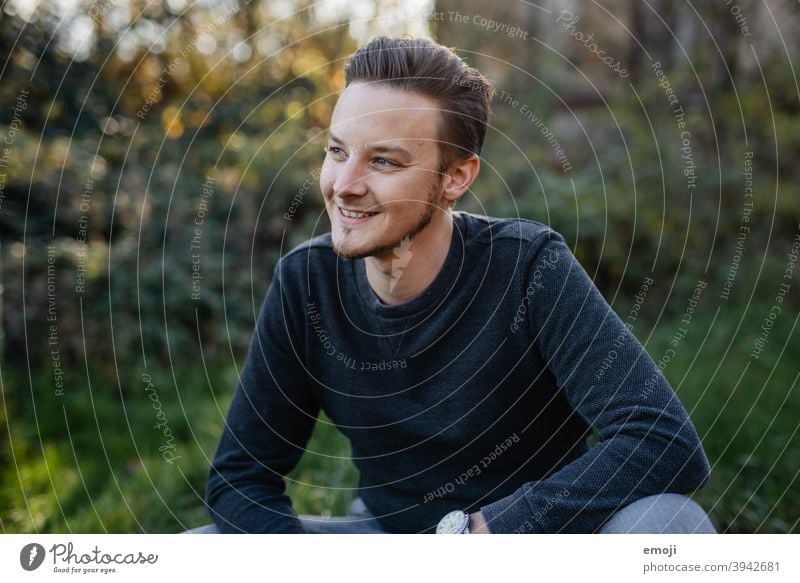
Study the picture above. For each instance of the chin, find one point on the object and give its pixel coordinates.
(347, 250)
(354, 251)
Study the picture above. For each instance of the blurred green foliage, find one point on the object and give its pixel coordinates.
(90, 461)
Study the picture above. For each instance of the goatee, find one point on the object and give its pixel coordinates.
(388, 248)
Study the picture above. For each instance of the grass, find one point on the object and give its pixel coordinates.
(744, 410)
(90, 462)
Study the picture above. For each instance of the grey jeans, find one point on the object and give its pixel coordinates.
(659, 514)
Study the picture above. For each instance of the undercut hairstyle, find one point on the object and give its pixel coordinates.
(428, 68)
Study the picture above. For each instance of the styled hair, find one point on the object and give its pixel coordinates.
(428, 68)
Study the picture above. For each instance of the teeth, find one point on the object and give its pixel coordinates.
(353, 215)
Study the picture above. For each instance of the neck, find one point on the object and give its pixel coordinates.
(404, 274)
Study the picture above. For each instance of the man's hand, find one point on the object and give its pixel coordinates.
(477, 525)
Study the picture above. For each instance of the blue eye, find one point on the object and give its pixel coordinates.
(336, 152)
(384, 162)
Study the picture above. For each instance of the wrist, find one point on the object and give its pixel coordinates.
(477, 524)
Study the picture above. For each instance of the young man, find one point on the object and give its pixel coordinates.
(466, 358)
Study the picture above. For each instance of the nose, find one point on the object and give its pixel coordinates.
(349, 178)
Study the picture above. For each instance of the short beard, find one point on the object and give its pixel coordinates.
(431, 208)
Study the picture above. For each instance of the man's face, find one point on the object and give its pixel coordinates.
(380, 178)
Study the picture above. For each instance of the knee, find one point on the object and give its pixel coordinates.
(660, 514)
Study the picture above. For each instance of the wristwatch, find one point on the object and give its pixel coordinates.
(455, 522)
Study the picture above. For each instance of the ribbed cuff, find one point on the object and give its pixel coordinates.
(510, 515)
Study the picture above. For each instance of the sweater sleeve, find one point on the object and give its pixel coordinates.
(647, 444)
(268, 426)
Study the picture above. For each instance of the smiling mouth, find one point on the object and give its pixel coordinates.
(356, 214)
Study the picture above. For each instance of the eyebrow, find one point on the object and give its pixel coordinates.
(378, 148)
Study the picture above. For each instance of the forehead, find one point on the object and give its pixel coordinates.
(371, 113)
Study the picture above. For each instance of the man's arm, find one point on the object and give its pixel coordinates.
(647, 444)
(477, 524)
(268, 425)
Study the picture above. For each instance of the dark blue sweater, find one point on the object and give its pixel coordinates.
(478, 394)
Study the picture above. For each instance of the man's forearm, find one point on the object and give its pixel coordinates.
(236, 509)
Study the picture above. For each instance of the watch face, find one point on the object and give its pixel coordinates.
(453, 523)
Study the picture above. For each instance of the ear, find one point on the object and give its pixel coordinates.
(460, 177)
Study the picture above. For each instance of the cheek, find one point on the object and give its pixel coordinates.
(326, 180)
